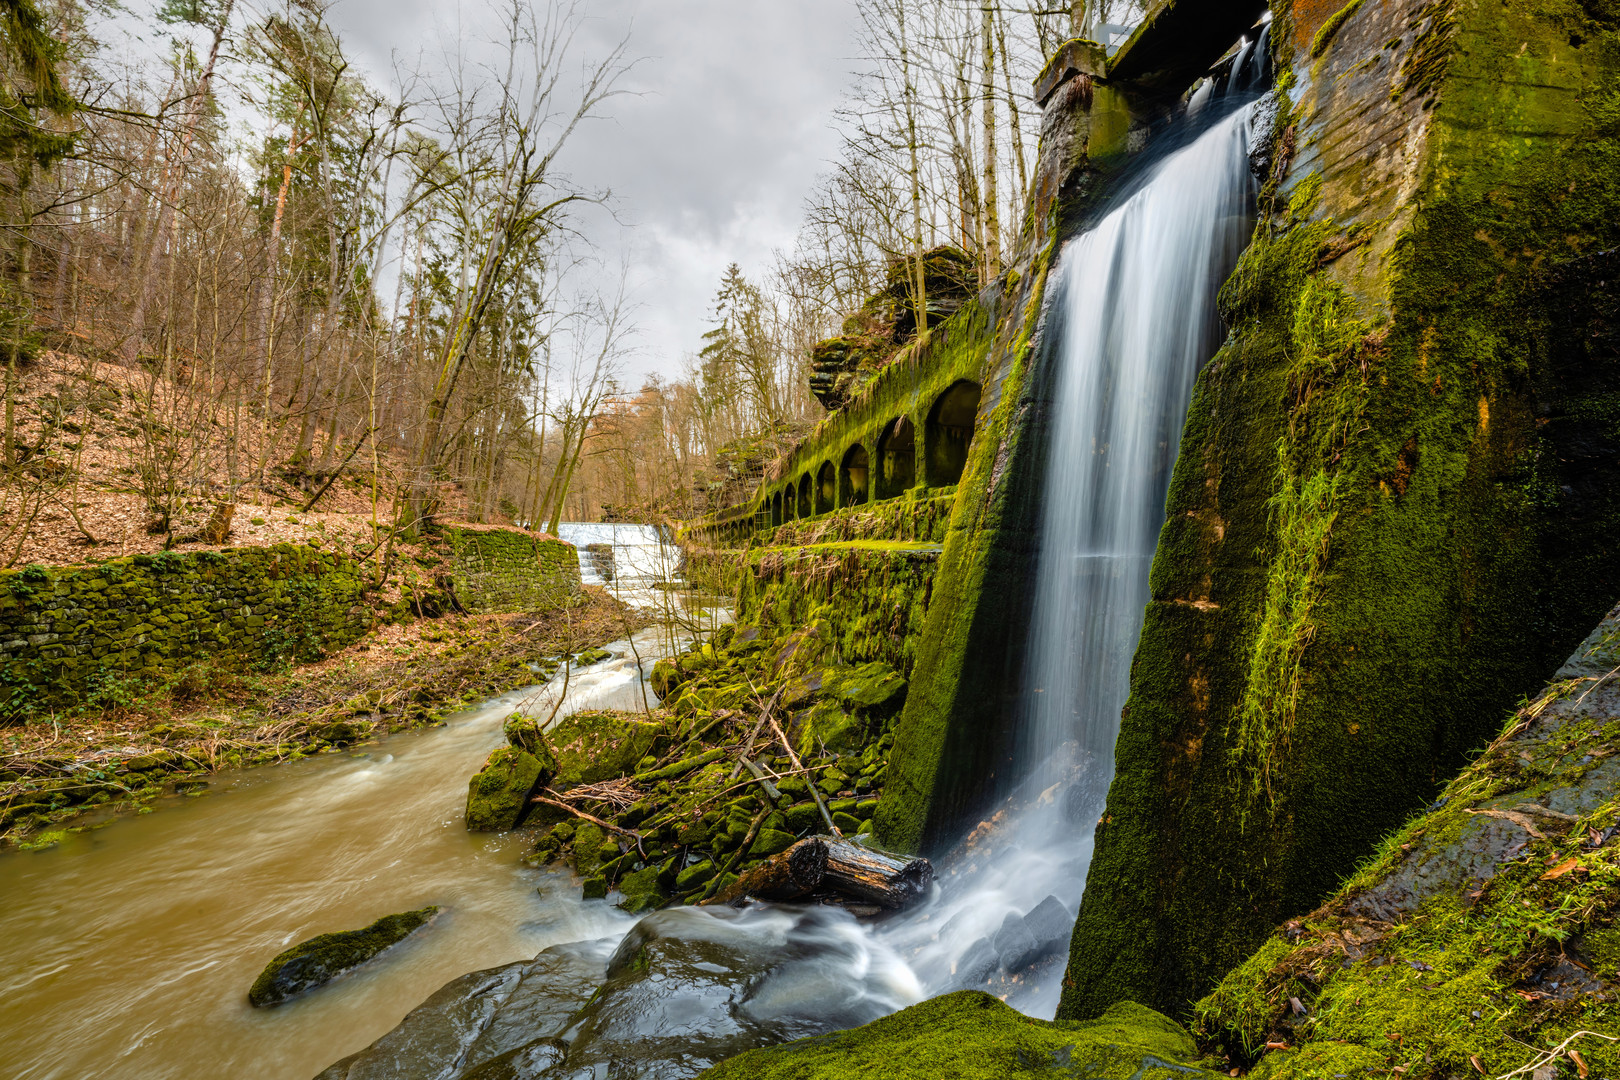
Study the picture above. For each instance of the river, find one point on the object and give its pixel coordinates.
(128, 950)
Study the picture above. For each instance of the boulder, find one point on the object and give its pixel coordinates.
(1049, 924)
(487, 1016)
(498, 796)
(600, 745)
(1014, 944)
(317, 961)
(523, 732)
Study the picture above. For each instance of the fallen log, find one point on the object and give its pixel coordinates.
(786, 875)
(891, 881)
(818, 863)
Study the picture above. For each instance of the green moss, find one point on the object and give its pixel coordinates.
(315, 962)
(597, 745)
(1303, 515)
(498, 794)
(1324, 36)
(969, 1035)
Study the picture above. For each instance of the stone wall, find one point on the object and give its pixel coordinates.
(496, 569)
(66, 630)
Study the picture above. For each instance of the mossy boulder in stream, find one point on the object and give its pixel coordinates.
(523, 731)
(593, 746)
(317, 961)
(970, 1035)
(498, 796)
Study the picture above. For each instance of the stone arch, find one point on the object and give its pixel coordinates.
(949, 430)
(826, 488)
(897, 458)
(854, 477)
(807, 505)
(776, 509)
(789, 498)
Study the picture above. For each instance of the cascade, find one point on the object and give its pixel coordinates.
(1132, 319)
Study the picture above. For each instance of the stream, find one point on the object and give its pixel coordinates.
(128, 950)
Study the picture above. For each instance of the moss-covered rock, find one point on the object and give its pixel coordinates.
(498, 796)
(969, 1035)
(598, 745)
(1481, 935)
(523, 732)
(317, 961)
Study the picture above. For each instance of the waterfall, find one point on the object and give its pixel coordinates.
(1131, 320)
(1135, 315)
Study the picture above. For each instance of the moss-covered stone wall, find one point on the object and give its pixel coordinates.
(64, 629)
(849, 461)
(1398, 497)
(495, 569)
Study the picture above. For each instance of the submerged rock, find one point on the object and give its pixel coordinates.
(969, 1035)
(317, 961)
(498, 796)
(682, 990)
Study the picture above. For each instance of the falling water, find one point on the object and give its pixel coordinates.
(637, 556)
(1133, 319)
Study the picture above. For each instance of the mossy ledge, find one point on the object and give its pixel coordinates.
(1480, 938)
(317, 961)
(970, 1035)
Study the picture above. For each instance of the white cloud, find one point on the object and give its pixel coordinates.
(709, 157)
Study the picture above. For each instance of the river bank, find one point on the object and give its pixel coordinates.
(138, 742)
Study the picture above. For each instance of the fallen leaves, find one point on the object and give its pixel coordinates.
(1561, 869)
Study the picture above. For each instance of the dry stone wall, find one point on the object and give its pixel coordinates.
(495, 569)
(64, 631)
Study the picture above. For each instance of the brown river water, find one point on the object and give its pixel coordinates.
(128, 951)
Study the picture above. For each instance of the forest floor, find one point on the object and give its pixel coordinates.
(138, 741)
(98, 442)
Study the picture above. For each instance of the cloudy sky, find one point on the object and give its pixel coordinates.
(710, 155)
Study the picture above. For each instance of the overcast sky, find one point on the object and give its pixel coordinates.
(711, 156)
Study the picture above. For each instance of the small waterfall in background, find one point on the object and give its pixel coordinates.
(629, 556)
(1135, 319)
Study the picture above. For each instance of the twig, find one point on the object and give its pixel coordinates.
(593, 819)
(1552, 1055)
(808, 782)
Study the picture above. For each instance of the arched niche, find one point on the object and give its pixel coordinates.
(854, 477)
(776, 509)
(789, 503)
(949, 430)
(897, 458)
(826, 487)
(807, 507)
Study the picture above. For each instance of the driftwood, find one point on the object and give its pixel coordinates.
(820, 864)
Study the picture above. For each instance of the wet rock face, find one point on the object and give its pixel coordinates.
(480, 1023)
(683, 990)
(320, 959)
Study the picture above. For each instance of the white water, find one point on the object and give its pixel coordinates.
(1135, 311)
(642, 554)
